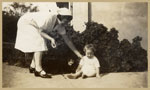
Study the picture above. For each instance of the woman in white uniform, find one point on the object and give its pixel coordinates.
(33, 28)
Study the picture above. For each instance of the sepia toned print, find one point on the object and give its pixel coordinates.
(43, 44)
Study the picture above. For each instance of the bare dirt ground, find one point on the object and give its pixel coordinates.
(17, 77)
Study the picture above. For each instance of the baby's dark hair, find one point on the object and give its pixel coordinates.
(89, 47)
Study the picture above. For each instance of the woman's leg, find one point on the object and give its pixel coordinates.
(32, 65)
(38, 60)
(38, 66)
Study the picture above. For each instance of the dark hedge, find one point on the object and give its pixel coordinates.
(114, 55)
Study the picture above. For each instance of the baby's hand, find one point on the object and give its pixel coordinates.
(98, 76)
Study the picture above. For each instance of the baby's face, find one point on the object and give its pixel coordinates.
(89, 53)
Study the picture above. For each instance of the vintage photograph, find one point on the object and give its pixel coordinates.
(74, 44)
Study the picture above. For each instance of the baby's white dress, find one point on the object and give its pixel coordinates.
(89, 65)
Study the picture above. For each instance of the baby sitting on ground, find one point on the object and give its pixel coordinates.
(88, 66)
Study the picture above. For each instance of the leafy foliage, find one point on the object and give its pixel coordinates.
(114, 55)
(10, 17)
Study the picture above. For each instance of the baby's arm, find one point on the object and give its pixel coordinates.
(97, 66)
(97, 72)
(78, 68)
(80, 64)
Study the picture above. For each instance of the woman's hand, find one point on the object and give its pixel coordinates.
(53, 44)
(45, 35)
(80, 56)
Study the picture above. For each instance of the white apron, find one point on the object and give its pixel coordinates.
(28, 37)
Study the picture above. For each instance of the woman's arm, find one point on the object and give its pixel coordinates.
(71, 46)
(45, 35)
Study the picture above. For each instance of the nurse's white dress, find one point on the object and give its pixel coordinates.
(29, 27)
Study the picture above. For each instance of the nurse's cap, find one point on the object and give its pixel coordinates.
(64, 11)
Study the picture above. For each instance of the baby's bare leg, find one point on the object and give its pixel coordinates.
(78, 73)
(75, 76)
(88, 74)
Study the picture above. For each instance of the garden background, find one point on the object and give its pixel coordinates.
(114, 55)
